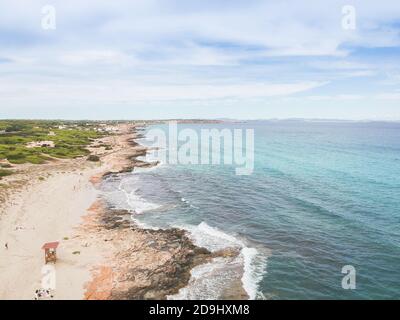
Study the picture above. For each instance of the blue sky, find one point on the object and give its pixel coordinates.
(200, 59)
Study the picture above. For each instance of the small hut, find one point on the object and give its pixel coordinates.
(50, 251)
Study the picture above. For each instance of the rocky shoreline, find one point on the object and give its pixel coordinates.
(141, 263)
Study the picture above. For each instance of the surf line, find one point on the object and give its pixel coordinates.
(160, 310)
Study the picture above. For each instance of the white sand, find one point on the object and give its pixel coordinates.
(46, 211)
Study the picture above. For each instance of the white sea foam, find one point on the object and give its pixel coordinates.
(153, 168)
(211, 238)
(135, 202)
(208, 281)
(141, 224)
(252, 261)
(254, 265)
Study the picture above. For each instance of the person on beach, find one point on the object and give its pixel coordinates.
(6, 245)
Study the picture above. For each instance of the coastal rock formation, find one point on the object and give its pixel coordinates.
(141, 263)
(146, 263)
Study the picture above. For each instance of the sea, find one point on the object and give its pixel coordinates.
(323, 199)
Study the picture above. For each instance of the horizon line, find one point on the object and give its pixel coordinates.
(204, 119)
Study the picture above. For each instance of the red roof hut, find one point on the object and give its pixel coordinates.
(50, 251)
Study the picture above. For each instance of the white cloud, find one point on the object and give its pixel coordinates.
(112, 91)
(389, 96)
(99, 57)
(339, 97)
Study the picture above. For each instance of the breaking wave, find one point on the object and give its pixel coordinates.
(214, 275)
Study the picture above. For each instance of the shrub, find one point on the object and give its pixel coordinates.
(93, 158)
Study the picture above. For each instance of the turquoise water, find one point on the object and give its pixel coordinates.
(323, 195)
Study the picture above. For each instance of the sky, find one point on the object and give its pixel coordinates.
(158, 59)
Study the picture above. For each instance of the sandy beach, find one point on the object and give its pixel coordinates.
(43, 212)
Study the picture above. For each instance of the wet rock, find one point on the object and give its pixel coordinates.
(169, 256)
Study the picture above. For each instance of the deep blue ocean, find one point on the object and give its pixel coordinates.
(322, 195)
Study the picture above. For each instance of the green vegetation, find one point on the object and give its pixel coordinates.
(4, 173)
(70, 140)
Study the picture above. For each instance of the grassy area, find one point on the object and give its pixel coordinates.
(70, 140)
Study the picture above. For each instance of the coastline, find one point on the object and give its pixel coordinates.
(102, 253)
